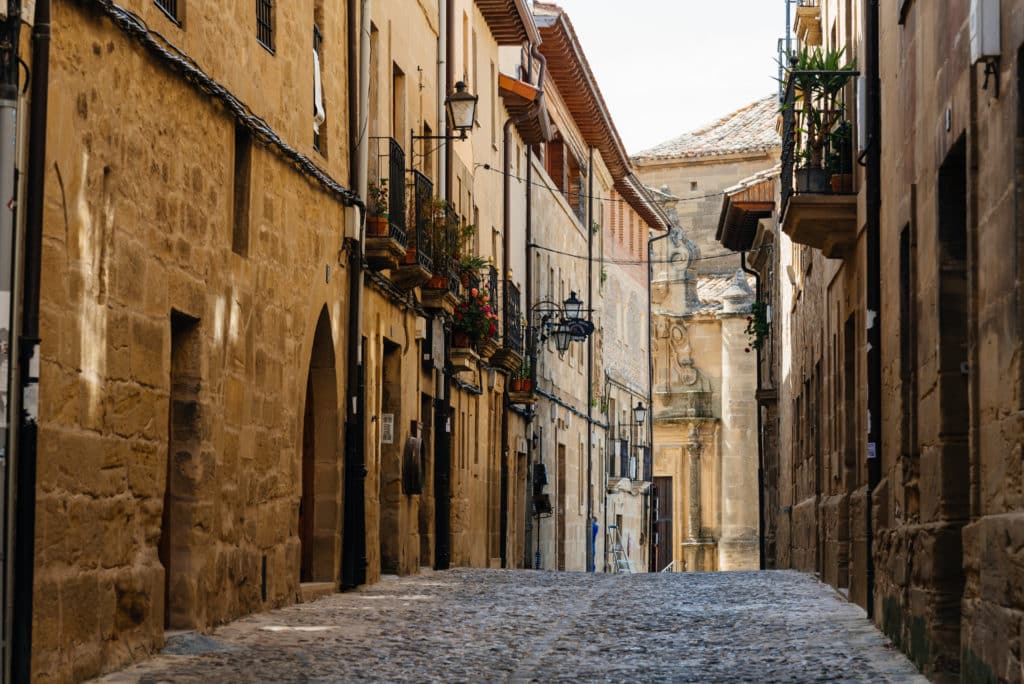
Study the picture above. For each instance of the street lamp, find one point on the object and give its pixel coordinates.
(562, 336)
(461, 108)
(573, 307)
(640, 413)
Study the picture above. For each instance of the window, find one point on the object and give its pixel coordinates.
(494, 107)
(170, 8)
(265, 23)
(693, 186)
(241, 191)
(319, 114)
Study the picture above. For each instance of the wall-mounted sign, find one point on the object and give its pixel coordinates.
(387, 428)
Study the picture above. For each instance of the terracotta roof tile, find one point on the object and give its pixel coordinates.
(750, 129)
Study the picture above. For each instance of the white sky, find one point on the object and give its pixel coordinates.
(666, 67)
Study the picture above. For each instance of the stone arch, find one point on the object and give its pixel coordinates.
(320, 498)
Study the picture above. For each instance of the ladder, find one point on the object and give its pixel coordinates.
(619, 560)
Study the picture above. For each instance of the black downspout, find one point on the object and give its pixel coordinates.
(353, 538)
(760, 427)
(652, 552)
(528, 298)
(506, 249)
(442, 406)
(25, 506)
(874, 289)
(587, 527)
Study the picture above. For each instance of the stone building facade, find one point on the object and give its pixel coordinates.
(705, 460)
(911, 508)
(580, 174)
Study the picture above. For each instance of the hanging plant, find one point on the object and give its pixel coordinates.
(757, 326)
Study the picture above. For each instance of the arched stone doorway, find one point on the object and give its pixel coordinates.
(320, 505)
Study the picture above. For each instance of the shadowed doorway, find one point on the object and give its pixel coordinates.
(320, 506)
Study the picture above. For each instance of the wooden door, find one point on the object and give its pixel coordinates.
(662, 522)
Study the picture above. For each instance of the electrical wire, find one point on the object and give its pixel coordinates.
(638, 262)
(545, 186)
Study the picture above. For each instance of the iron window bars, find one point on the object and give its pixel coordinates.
(265, 23)
(170, 8)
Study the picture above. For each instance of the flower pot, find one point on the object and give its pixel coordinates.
(460, 340)
(811, 180)
(377, 226)
(516, 385)
(841, 182)
(437, 282)
(527, 385)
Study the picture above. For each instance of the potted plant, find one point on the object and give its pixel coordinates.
(526, 380)
(820, 78)
(377, 209)
(757, 326)
(840, 158)
(474, 319)
(468, 265)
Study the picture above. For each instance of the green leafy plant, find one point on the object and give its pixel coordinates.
(820, 77)
(840, 156)
(757, 326)
(379, 198)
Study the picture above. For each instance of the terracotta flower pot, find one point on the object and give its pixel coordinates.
(377, 226)
(516, 384)
(460, 340)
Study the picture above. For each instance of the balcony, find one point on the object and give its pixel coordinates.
(510, 355)
(808, 22)
(441, 291)
(417, 264)
(385, 225)
(819, 205)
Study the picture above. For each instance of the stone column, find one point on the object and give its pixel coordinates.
(738, 547)
(693, 520)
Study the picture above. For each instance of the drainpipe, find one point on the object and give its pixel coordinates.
(760, 428)
(442, 74)
(528, 299)
(25, 505)
(442, 405)
(590, 364)
(650, 378)
(873, 199)
(353, 555)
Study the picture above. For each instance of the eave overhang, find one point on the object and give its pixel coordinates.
(743, 206)
(511, 21)
(568, 67)
(526, 107)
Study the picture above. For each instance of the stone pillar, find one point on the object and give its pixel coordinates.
(693, 520)
(738, 544)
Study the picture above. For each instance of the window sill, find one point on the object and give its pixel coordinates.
(266, 47)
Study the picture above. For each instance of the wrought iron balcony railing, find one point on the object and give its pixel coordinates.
(422, 218)
(389, 161)
(817, 137)
(512, 317)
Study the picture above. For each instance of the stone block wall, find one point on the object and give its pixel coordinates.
(138, 230)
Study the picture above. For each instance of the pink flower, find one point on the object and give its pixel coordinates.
(474, 292)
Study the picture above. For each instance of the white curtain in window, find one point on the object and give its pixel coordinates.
(319, 116)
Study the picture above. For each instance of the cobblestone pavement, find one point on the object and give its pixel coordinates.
(502, 625)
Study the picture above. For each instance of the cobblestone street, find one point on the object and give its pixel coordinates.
(493, 625)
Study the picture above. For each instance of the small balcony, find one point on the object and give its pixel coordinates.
(510, 355)
(819, 205)
(385, 224)
(441, 291)
(808, 22)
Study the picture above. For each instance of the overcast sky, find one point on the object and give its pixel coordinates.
(666, 67)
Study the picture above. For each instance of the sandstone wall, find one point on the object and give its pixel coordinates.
(138, 229)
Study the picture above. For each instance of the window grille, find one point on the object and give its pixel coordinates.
(265, 23)
(170, 8)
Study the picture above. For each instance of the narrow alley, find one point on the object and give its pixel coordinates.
(516, 625)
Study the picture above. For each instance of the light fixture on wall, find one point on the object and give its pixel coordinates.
(640, 413)
(461, 108)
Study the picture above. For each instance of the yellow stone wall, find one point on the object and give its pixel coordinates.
(137, 225)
